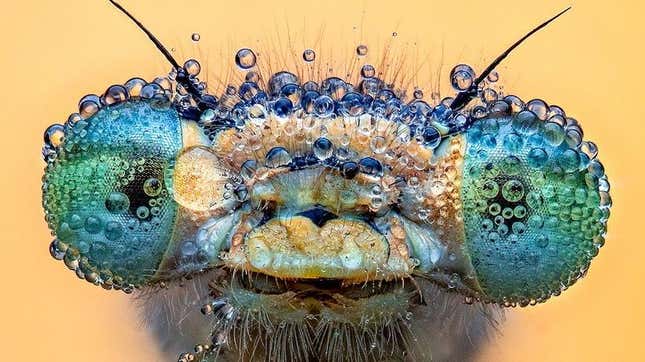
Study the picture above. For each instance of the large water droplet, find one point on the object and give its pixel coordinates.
(245, 58)
(361, 50)
(113, 230)
(370, 166)
(513, 190)
(54, 135)
(277, 157)
(134, 86)
(152, 187)
(323, 148)
(279, 80)
(368, 71)
(89, 105)
(117, 202)
(490, 189)
(462, 77)
(192, 67)
(323, 106)
(309, 55)
(115, 94)
(493, 76)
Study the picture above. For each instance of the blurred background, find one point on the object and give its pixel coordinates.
(53, 52)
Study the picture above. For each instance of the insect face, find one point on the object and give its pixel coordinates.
(310, 214)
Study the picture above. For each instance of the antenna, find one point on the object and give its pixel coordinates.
(182, 78)
(152, 37)
(462, 98)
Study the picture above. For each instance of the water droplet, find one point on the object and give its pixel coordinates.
(257, 114)
(493, 76)
(54, 135)
(323, 106)
(113, 230)
(245, 58)
(195, 37)
(323, 148)
(368, 71)
(277, 157)
(117, 202)
(539, 108)
(537, 157)
(511, 165)
(248, 169)
(490, 189)
(513, 190)
(93, 225)
(252, 76)
(494, 209)
(462, 77)
(518, 228)
(115, 94)
(361, 50)
(309, 55)
(57, 249)
(282, 107)
(152, 187)
(279, 80)
(569, 160)
(88, 105)
(370, 166)
(192, 67)
(418, 94)
(431, 137)
(542, 241)
(143, 212)
(134, 86)
(489, 95)
(553, 134)
(349, 170)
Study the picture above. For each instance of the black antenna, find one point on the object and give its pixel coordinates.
(152, 37)
(204, 101)
(466, 96)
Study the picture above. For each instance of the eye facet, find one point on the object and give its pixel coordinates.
(536, 205)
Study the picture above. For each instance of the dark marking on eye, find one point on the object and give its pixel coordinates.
(134, 189)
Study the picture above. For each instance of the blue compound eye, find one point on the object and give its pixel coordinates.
(107, 190)
(535, 204)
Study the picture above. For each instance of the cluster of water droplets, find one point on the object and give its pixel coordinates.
(159, 92)
(540, 191)
(285, 95)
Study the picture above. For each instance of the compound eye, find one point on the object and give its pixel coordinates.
(535, 206)
(108, 192)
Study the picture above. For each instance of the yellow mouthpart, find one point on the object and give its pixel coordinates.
(295, 247)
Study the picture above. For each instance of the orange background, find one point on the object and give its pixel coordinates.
(54, 52)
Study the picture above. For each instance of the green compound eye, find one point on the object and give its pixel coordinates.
(535, 203)
(106, 193)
